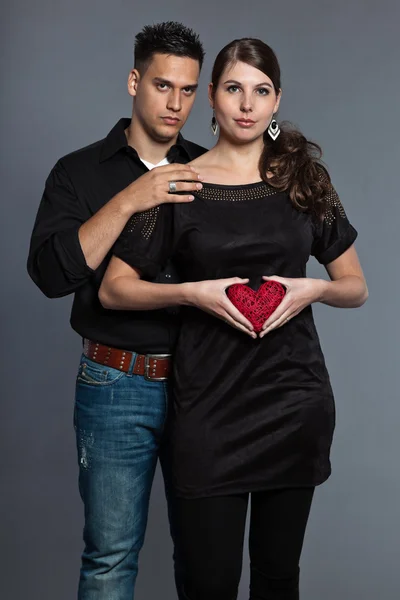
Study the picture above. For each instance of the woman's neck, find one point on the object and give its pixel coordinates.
(235, 157)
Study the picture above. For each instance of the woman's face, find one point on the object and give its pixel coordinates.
(244, 102)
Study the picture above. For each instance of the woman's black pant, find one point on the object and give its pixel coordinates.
(210, 534)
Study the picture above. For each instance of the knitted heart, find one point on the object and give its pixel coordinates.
(257, 306)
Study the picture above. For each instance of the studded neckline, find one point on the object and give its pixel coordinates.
(235, 193)
(223, 186)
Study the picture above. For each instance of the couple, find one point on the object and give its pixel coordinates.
(122, 222)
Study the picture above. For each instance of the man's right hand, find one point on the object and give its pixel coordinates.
(152, 188)
(210, 296)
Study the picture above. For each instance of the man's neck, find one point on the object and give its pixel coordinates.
(150, 150)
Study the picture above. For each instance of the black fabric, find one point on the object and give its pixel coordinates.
(210, 534)
(77, 187)
(248, 415)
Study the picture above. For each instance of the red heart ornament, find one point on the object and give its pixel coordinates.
(257, 306)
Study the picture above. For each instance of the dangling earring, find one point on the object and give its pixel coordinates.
(214, 125)
(273, 129)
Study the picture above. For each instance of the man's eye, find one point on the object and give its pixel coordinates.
(188, 91)
(233, 89)
(162, 86)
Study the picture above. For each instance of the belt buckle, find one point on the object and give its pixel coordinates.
(147, 359)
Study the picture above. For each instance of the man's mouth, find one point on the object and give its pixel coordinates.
(170, 120)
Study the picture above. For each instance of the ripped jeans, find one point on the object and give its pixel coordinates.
(119, 419)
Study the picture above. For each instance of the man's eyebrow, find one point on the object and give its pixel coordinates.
(192, 86)
(233, 81)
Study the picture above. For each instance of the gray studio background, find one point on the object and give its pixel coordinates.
(63, 72)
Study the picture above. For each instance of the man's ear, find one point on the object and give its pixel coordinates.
(133, 80)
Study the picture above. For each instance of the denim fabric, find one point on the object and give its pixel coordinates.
(119, 419)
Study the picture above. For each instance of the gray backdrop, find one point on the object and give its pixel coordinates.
(64, 67)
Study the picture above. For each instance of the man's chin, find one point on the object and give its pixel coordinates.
(165, 134)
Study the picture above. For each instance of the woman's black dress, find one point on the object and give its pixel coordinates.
(247, 415)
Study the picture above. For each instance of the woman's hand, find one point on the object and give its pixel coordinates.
(210, 296)
(300, 292)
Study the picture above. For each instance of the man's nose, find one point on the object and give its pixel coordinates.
(174, 101)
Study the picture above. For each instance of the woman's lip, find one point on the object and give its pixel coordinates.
(244, 122)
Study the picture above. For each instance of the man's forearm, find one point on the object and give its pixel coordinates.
(100, 232)
(128, 293)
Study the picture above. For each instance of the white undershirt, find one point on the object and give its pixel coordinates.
(151, 166)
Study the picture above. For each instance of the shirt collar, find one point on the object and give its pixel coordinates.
(116, 140)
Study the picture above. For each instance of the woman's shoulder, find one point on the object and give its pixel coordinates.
(204, 161)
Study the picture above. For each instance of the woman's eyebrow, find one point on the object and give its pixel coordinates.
(233, 81)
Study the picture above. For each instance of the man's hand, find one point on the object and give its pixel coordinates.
(211, 297)
(152, 188)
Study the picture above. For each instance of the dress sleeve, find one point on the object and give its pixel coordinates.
(333, 233)
(147, 241)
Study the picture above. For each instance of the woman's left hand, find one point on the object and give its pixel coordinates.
(300, 292)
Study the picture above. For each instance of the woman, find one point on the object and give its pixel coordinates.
(252, 415)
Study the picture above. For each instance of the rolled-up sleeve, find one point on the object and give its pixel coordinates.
(333, 234)
(56, 262)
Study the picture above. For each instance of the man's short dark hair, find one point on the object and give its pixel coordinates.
(166, 38)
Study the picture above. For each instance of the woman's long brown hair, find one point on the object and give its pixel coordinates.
(292, 161)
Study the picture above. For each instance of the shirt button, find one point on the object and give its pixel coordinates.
(168, 276)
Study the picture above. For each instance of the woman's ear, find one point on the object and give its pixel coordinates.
(278, 101)
(211, 94)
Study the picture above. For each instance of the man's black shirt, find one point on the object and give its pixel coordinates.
(77, 187)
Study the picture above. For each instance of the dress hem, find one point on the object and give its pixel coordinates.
(250, 489)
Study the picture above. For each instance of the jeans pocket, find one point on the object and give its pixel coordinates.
(92, 373)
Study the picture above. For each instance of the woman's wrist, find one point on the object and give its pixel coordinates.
(186, 294)
(321, 288)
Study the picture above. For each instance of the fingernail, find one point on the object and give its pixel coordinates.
(191, 197)
(198, 186)
(200, 177)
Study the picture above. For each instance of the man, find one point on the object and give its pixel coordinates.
(121, 398)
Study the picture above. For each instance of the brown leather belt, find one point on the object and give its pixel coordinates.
(154, 367)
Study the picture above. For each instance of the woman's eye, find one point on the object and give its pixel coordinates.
(263, 91)
(233, 89)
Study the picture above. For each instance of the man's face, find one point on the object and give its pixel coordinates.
(164, 95)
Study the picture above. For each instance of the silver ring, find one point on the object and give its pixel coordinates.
(172, 187)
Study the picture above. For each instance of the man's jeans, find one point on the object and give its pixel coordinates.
(119, 419)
